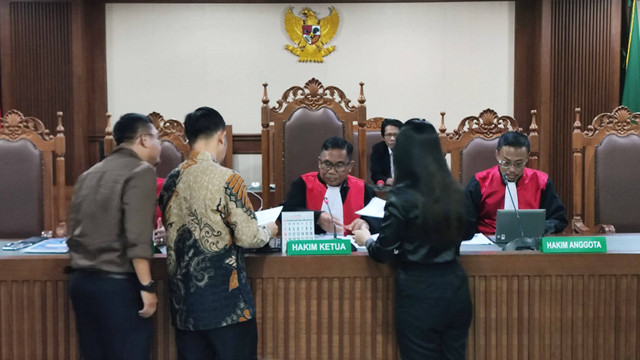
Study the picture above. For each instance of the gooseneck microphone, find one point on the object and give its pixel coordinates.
(515, 208)
(523, 243)
(335, 233)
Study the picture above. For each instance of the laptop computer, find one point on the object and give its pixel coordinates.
(508, 226)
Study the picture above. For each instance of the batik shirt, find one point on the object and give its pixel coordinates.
(209, 220)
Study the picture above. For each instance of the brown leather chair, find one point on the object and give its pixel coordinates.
(298, 124)
(605, 165)
(473, 143)
(174, 145)
(371, 130)
(31, 202)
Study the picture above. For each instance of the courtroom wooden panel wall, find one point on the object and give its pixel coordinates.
(585, 40)
(555, 317)
(36, 57)
(567, 55)
(526, 307)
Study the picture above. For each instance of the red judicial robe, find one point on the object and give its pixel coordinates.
(317, 190)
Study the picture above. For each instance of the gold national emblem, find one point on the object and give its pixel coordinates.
(310, 35)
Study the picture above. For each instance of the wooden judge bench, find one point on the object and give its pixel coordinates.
(527, 305)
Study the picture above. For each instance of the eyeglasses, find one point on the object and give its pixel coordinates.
(507, 164)
(390, 136)
(327, 165)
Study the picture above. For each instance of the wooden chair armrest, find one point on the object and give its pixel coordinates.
(605, 229)
(578, 226)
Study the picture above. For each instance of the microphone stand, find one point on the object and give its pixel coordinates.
(335, 232)
(523, 243)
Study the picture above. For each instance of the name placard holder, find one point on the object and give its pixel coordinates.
(576, 244)
(319, 247)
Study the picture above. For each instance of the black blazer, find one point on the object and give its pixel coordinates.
(380, 162)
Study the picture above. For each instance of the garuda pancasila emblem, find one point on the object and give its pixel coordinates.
(310, 35)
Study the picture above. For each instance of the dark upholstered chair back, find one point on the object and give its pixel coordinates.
(294, 129)
(22, 205)
(170, 158)
(616, 182)
(478, 155)
(472, 145)
(304, 134)
(30, 202)
(373, 137)
(605, 166)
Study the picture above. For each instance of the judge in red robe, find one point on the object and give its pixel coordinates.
(309, 191)
(533, 188)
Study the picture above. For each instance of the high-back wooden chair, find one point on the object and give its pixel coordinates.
(473, 143)
(302, 119)
(372, 136)
(174, 145)
(605, 166)
(174, 148)
(31, 202)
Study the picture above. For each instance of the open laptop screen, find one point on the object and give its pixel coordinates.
(508, 226)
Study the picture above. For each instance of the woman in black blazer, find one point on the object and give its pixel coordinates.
(424, 223)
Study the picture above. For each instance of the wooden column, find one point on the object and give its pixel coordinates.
(567, 55)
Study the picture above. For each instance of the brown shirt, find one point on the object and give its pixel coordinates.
(112, 213)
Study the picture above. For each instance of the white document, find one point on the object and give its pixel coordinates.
(375, 208)
(269, 215)
(49, 246)
(478, 239)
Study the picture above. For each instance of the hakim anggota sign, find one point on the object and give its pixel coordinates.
(576, 244)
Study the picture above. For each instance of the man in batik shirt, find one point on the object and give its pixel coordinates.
(209, 220)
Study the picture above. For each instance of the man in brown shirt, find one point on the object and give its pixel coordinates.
(110, 244)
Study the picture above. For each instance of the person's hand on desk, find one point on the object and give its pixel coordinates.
(389, 182)
(327, 223)
(357, 224)
(361, 236)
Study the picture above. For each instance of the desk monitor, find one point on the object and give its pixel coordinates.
(508, 227)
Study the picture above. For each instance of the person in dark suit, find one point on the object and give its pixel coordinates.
(382, 152)
(425, 220)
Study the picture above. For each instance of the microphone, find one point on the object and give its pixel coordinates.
(380, 184)
(523, 243)
(335, 233)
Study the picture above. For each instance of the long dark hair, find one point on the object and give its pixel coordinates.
(420, 166)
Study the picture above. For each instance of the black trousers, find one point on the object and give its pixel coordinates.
(233, 342)
(107, 319)
(433, 311)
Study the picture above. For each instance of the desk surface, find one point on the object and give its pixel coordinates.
(616, 244)
(527, 305)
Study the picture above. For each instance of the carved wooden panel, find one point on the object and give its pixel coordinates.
(13, 126)
(315, 97)
(487, 125)
(526, 306)
(37, 61)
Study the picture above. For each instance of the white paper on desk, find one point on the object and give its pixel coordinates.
(269, 215)
(375, 208)
(49, 246)
(362, 248)
(478, 239)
